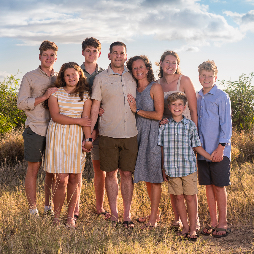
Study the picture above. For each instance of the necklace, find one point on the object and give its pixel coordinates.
(168, 83)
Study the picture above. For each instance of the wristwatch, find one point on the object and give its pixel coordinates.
(89, 140)
(223, 144)
(137, 110)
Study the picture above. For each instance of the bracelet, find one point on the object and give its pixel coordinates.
(89, 140)
(137, 110)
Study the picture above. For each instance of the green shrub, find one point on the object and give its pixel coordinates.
(10, 116)
(241, 94)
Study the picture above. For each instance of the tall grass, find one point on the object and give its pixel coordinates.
(20, 233)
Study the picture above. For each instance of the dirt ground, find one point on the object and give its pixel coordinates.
(240, 240)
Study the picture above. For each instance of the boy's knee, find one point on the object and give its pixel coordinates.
(189, 198)
(179, 197)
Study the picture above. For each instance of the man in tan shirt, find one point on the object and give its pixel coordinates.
(34, 90)
(117, 129)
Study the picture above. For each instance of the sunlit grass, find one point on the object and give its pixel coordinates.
(20, 233)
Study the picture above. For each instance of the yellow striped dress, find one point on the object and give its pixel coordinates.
(64, 142)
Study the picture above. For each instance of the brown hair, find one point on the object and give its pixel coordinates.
(45, 45)
(117, 43)
(208, 65)
(91, 42)
(150, 75)
(172, 53)
(81, 87)
(177, 96)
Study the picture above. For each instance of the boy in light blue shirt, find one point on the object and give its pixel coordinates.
(215, 130)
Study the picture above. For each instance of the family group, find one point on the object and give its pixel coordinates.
(147, 130)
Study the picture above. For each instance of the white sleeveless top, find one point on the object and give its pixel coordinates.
(167, 113)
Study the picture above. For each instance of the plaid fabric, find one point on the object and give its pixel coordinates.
(177, 140)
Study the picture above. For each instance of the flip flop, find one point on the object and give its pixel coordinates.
(150, 227)
(75, 217)
(106, 215)
(209, 230)
(228, 230)
(183, 235)
(192, 238)
(128, 224)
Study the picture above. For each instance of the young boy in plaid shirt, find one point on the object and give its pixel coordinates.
(177, 139)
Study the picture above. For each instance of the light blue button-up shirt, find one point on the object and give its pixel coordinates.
(214, 120)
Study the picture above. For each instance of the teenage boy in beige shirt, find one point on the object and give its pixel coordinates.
(34, 90)
(91, 50)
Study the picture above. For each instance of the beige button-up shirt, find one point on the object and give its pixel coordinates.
(34, 84)
(111, 89)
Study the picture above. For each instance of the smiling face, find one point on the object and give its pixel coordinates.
(48, 58)
(207, 79)
(176, 108)
(169, 65)
(91, 54)
(71, 78)
(139, 69)
(117, 57)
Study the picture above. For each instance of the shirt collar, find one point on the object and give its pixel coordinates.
(84, 68)
(44, 73)
(183, 121)
(212, 91)
(110, 71)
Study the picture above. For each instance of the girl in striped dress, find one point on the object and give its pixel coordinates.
(70, 117)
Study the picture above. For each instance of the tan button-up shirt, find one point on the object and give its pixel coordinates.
(111, 89)
(34, 84)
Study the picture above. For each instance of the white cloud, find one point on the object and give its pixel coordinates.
(245, 21)
(187, 48)
(108, 20)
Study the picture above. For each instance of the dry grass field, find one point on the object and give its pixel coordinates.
(20, 233)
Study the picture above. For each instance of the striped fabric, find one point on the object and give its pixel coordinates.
(64, 142)
(177, 140)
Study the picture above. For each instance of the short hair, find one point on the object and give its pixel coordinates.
(172, 53)
(208, 65)
(45, 45)
(150, 75)
(177, 96)
(117, 43)
(91, 42)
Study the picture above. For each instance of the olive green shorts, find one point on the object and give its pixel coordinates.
(118, 153)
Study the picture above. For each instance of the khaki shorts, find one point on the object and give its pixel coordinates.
(186, 185)
(118, 153)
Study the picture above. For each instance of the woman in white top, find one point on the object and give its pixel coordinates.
(172, 81)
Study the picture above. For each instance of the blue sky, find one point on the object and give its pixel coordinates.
(218, 30)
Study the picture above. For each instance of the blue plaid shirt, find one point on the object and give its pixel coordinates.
(177, 140)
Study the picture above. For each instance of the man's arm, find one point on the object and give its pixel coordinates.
(94, 113)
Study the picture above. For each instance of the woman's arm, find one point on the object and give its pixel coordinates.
(158, 98)
(191, 97)
(62, 119)
(87, 129)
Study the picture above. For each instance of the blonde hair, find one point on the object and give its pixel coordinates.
(177, 96)
(208, 65)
